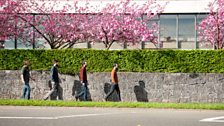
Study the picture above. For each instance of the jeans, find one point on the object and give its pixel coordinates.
(83, 92)
(26, 91)
(112, 89)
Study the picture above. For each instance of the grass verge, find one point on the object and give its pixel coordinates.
(206, 106)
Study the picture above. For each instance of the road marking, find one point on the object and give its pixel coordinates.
(214, 119)
(85, 115)
(45, 118)
(59, 117)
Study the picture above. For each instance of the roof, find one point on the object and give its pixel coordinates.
(187, 6)
(173, 6)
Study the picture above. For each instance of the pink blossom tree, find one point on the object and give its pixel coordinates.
(42, 20)
(6, 19)
(125, 22)
(63, 25)
(211, 29)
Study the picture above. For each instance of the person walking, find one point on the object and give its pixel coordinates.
(54, 81)
(25, 78)
(114, 86)
(83, 81)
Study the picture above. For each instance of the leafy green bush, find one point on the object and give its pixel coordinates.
(201, 61)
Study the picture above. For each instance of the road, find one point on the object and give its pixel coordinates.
(75, 116)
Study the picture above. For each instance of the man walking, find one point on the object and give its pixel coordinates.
(25, 78)
(54, 81)
(83, 80)
(114, 79)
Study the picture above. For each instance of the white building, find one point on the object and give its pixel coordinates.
(177, 27)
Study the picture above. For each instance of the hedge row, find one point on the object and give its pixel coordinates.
(201, 61)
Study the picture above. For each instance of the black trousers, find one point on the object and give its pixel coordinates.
(54, 89)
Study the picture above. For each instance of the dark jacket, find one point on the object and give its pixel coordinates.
(54, 74)
(26, 73)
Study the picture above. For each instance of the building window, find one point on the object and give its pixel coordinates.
(201, 43)
(168, 31)
(9, 44)
(24, 45)
(186, 32)
(150, 23)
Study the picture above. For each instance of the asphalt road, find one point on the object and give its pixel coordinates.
(71, 116)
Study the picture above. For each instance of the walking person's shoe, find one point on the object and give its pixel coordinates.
(105, 99)
(45, 98)
(76, 98)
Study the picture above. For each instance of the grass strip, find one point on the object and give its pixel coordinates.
(205, 106)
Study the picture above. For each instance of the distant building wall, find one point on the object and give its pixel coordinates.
(148, 87)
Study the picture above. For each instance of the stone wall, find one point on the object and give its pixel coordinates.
(146, 87)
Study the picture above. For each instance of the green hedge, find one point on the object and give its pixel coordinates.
(201, 61)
